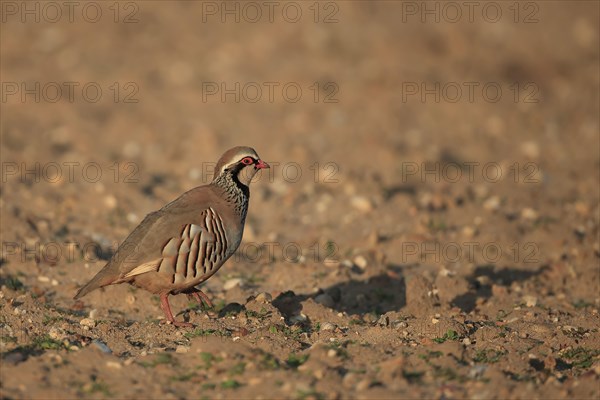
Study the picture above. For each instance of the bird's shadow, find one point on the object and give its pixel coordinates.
(378, 294)
(479, 288)
(387, 291)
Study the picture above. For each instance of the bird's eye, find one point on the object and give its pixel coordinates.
(247, 160)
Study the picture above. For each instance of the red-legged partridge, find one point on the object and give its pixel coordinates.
(184, 243)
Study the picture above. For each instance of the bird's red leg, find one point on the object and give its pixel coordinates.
(164, 303)
(200, 297)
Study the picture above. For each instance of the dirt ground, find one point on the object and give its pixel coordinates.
(429, 228)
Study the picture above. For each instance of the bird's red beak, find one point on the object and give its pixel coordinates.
(260, 164)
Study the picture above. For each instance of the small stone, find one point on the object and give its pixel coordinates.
(327, 326)
(130, 299)
(43, 279)
(361, 262)
(530, 149)
(182, 349)
(477, 371)
(132, 218)
(363, 385)
(331, 353)
(298, 318)
(361, 204)
(349, 379)
(481, 191)
(325, 299)
(114, 364)
(93, 314)
(56, 333)
(499, 290)
(466, 341)
(255, 381)
(384, 320)
(530, 301)
(101, 346)
(110, 201)
(131, 150)
(529, 214)
(492, 203)
(90, 323)
(231, 283)
(195, 174)
(263, 297)
(468, 232)
(318, 374)
(400, 324)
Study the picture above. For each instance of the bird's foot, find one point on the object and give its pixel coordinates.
(164, 302)
(201, 298)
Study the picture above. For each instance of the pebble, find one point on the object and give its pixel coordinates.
(349, 379)
(325, 300)
(530, 149)
(114, 364)
(101, 346)
(384, 320)
(584, 32)
(363, 385)
(331, 353)
(299, 318)
(182, 349)
(492, 203)
(132, 150)
(477, 371)
(133, 218)
(231, 283)
(327, 326)
(529, 214)
(56, 333)
(43, 279)
(361, 262)
(255, 381)
(481, 191)
(361, 204)
(93, 314)
(400, 324)
(130, 299)
(110, 201)
(468, 232)
(263, 297)
(90, 323)
(530, 301)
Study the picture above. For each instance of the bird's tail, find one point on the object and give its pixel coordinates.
(101, 279)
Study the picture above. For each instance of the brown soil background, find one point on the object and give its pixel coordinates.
(380, 304)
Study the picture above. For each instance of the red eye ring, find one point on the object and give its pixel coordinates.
(247, 160)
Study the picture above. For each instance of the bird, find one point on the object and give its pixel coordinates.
(180, 246)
